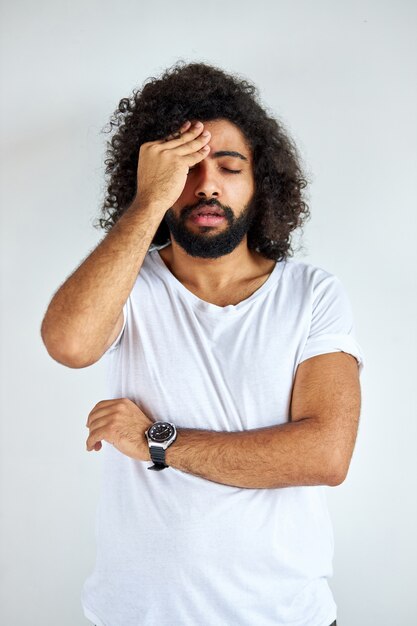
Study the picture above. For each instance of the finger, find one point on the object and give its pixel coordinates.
(102, 408)
(176, 135)
(189, 135)
(98, 423)
(97, 446)
(94, 415)
(196, 144)
(93, 446)
(97, 435)
(196, 157)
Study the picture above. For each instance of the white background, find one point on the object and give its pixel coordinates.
(340, 75)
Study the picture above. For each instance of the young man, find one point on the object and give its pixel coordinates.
(233, 371)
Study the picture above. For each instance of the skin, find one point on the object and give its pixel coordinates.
(212, 259)
(316, 445)
(313, 448)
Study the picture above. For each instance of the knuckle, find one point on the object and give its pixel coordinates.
(99, 405)
(122, 404)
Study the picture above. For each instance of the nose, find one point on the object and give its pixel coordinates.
(207, 184)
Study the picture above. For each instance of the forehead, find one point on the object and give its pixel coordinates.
(226, 136)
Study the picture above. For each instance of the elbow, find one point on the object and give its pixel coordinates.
(337, 475)
(338, 466)
(63, 355)
(74, 362)
(335, 480)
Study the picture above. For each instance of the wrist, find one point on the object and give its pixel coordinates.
(160, 437)
(151, 207)
(171, 451)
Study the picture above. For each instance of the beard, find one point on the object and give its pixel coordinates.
(206, 242)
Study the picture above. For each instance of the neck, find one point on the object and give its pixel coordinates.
(212, 275)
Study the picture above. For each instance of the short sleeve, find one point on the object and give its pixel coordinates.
(332, 325)
(116, 342)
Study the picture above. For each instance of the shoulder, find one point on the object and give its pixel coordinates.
(306, 275)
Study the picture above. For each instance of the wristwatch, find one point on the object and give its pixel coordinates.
(160, 435)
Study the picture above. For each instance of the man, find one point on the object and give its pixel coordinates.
(233, 371)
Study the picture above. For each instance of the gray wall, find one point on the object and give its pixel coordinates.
(340, 76)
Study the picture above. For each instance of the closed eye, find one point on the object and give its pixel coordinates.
(223, 168)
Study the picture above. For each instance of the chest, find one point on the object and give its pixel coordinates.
(231, 372)
(231, 295)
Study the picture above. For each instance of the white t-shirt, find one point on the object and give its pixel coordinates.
(175, 549)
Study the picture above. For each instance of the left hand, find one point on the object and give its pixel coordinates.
(121, 423)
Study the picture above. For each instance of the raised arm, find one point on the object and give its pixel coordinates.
(85, 313)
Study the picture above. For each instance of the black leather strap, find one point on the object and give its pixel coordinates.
(158, 457)
(157, 467)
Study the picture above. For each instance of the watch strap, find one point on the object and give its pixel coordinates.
(158, 457)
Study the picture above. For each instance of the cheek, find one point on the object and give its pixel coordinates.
(247, 187)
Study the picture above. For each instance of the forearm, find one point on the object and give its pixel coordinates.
(84, 310)
(287, 455)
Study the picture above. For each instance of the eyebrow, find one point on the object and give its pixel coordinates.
(231, 153)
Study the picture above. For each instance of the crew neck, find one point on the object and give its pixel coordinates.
(208, 307)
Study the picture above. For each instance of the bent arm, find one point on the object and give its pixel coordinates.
(314, 448)
(84, 314)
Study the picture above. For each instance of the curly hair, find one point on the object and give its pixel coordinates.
(205, 92)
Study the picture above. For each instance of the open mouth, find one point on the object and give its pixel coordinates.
(207, 215)
(207, 219)
(208, 210)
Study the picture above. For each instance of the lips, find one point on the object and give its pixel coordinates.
(208, 210)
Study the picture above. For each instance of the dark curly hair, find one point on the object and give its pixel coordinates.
(205, 92)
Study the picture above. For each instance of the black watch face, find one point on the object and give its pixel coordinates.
(161, 431)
